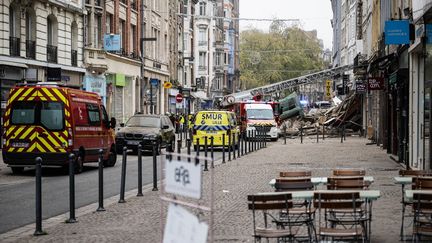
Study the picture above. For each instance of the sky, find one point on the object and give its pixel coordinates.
(313, 14)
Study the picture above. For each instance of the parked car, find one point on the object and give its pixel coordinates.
(146, 129)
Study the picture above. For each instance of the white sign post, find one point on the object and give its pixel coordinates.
(182, 226)
(183, 178)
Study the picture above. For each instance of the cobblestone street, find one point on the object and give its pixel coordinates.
(138, 220)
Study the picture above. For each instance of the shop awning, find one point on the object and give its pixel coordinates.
(13, 64)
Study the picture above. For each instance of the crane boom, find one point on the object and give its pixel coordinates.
(283, 85)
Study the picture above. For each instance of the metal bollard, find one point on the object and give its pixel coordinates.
(255, 139)
(341, 135)
(285, 133)
(344, 132)
(197, 150)
(123, 176)
(238, 144)
(205, 153)
(323, 132)
(301, 134)
(39, 230)
(316, 129)
(242, 143)
(212, 150)
(229, 146)
(179, 144)
(223, 148)
(72, 218)
(249, 138)
(233, 145)
(140, 194)
(100, 184)
(188, 141)
(155, 188)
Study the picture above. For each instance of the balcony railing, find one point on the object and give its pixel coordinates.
(14, 46)
(202, 43)
(74, 58)
(52, 53)
(31, 49)
(202, 68)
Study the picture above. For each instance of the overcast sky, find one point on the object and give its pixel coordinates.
(313, 14)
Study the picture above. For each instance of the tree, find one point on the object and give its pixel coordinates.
(280, 54)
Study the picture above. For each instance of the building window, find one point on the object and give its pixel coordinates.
(202, 59)
(52, 28)
(98, 31)
(202, 37)
(14, 31)
(108, 25)
(30, 34)
(74, 44)
(202, 8)
(123, 36)
(133, 43)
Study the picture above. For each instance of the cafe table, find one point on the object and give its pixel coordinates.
(368, 195)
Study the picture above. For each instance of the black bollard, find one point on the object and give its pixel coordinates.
(317, 133)
(100, 184)
(255, 139)
(301, 134)
(72, 218)
(39, 230)
(155, 188)
(323, 132)
(344, 132)
(341, 134)
(249, 138)
(241, 143)
(205, 153)
(233, 145)
(140, 194)
(223, 148)
(238, 144)
(179, 144)
(188, 141)
(197, 150)
(123, 176)
(229, 146)
(212, 150)
(285, 133)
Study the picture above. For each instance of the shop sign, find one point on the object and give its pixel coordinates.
(120, 79)
(376, 83)
(53, 74)
(397, 32)
(112, 42)
(429, 33)
(95, 84)
(360, 87)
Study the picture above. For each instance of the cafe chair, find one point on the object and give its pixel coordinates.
(419, 182)
(334, 227)
(270, 205)
(349, 172)
(302, 213)
(347, 183)
(422, 209)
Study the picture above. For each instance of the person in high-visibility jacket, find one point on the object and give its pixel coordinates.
(181, 121)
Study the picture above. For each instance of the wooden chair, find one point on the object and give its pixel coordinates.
(347, 183)
(422, 208)
(299, 173)
(270, 205)
(283, 185)
(334, 226)
(349, 172)
(414, 174)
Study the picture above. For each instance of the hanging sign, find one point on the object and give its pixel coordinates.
(167, 85)
(328, 89)
(397, 32)
(183, 178)
(376, 83)
(360, 87)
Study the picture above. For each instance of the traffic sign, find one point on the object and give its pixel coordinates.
(167, 85)
(179, 98)
(154, 81)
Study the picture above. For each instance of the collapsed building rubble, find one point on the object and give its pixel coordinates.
(331, 121)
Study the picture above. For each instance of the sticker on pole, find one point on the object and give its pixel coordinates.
(182, 226)
(183, 178)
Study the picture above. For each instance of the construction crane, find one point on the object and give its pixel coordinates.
(283, 85)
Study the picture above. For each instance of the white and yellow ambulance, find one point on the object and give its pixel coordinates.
(217, 125)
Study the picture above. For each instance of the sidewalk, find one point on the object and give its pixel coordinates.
(138, 220)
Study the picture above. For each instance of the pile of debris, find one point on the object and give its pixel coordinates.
(345, 116)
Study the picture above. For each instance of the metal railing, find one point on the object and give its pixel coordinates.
(14, 46)
(74, 58)
(31, 49)
(52, 53)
